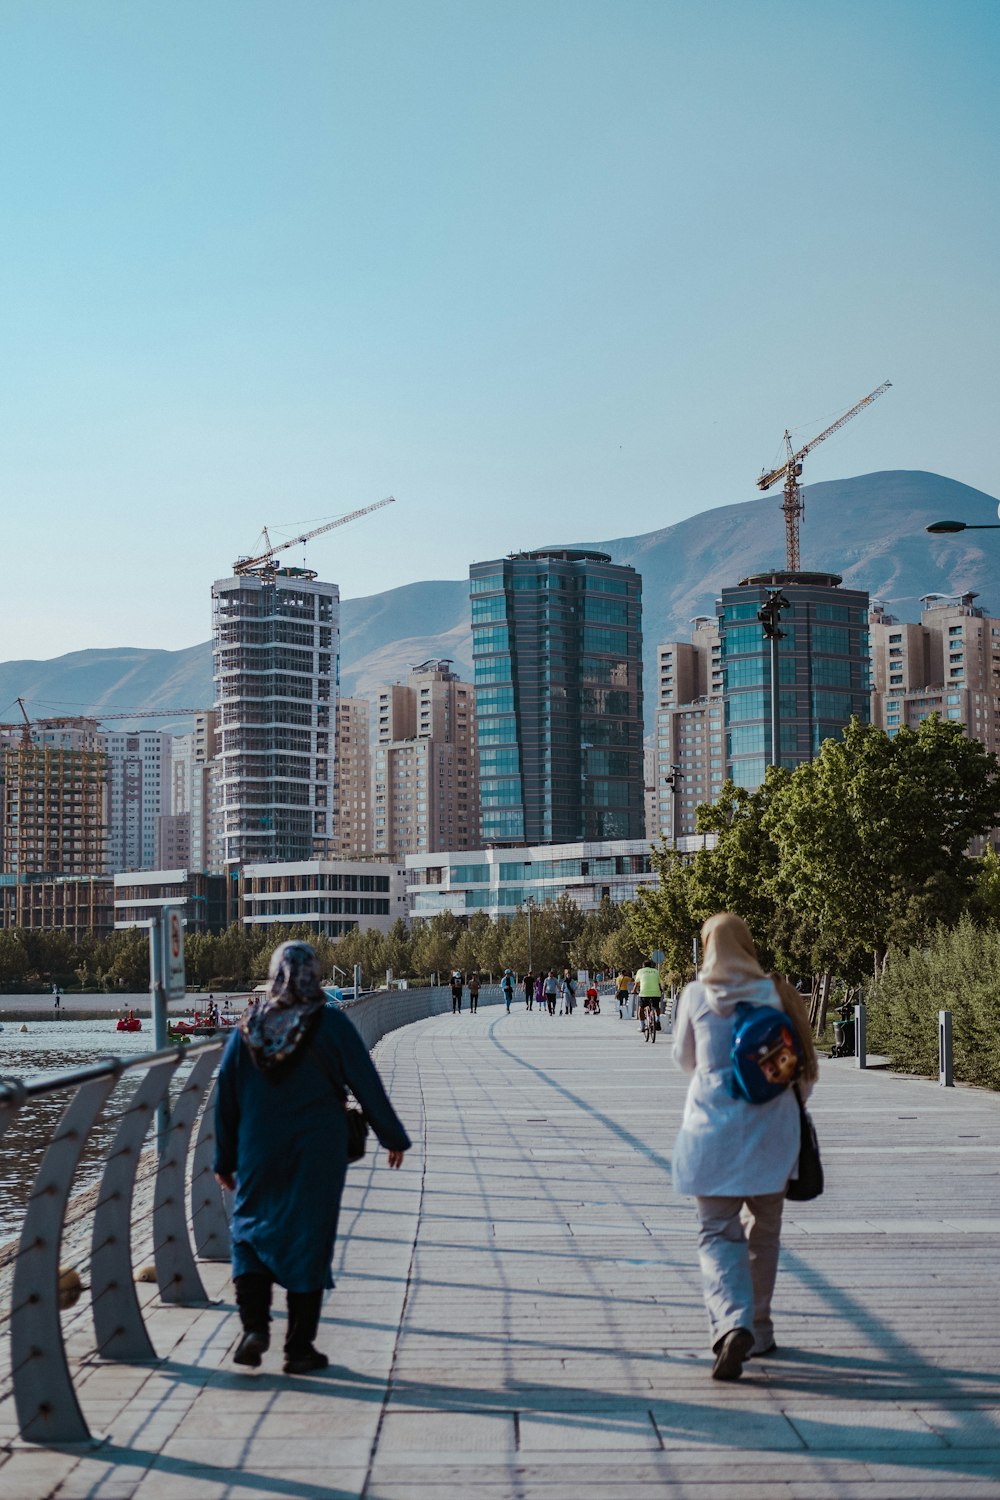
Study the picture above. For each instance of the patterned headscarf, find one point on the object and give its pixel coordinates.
(275, 1027)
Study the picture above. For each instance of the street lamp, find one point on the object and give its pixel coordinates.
(673, 780)
(939, 526)
(769, 616)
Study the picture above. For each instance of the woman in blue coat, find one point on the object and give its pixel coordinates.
(281, 1149)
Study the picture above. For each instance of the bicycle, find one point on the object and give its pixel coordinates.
(650, 1021)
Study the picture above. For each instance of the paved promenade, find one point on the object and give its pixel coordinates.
(518, 1312)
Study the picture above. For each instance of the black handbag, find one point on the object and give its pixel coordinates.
(357, 1131)
(809, 1183)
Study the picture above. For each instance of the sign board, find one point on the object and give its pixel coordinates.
(657, 956)
(174, 979)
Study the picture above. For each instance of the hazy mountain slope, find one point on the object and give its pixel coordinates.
(870, 529)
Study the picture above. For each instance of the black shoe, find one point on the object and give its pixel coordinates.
(305, 1363)
(730, 1354)
(251, 1347)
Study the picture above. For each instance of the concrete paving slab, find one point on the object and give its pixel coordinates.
(518, 1311)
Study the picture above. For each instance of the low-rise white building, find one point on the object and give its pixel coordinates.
(498, 881)
(333, 896)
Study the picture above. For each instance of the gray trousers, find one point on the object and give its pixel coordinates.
(738, 1245)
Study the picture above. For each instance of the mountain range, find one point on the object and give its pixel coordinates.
(869, 529)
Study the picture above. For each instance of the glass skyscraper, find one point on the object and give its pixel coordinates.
(823, 669)
(557, 648)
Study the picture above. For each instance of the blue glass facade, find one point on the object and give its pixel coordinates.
(557, 649)
(823, 669)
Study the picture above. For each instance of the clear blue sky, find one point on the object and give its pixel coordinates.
(543, 270)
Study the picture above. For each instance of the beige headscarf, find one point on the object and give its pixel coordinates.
(730, 964)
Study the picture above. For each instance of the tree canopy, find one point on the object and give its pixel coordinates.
(870, 844)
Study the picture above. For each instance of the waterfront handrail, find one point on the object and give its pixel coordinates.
(45, 1400)
(44, 1396)
(14, 1091)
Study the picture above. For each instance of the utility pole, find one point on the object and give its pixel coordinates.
(769, 616)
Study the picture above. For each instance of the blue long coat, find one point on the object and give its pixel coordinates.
(284, 1138)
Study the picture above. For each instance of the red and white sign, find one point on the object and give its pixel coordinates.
(174, 978)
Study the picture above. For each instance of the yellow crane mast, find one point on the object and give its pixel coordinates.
(793, 504)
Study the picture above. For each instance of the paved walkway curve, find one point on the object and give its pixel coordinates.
(518, 1312)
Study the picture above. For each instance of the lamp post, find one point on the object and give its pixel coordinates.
(528, 905)
(673, 780)
(769, 616)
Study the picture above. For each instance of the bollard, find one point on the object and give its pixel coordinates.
(945, 1078)
(860, 1037)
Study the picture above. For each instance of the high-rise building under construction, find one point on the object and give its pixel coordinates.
(276, 641)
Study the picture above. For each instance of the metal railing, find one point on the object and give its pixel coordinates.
(188, 1216)
(44, 1396)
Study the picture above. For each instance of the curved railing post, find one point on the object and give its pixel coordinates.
(47, 1408)
(209, 1220)
(118, 1322)
(176, 1269)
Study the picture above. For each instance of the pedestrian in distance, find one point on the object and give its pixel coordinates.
(734, 1157)
(473, 992)
(540, 992)
(551, 991)
(622, 986)
(281, 1149)
(457, 986)
(56, 997)
(567, 991)
(507, 987)
(528, 983)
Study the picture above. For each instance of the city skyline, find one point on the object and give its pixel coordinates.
(559, 272)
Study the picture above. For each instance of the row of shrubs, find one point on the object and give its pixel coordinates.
(958, 970)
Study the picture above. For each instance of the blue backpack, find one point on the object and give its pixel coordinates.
(766, 1053)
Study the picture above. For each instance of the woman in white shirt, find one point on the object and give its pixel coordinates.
(734, 1157)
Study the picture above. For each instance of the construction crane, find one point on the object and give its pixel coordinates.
(264, 561)
(793, 505)
(96, 714)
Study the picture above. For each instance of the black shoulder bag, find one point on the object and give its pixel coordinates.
(809, 1183)
(354, 1116)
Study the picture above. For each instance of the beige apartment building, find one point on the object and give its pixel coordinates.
(352, 811)
(690, 731)
(948, 664)
(426, 780)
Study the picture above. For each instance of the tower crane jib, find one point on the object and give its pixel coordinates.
(792, 504)
(264, 561)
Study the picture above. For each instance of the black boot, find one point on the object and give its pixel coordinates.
(303, 1321)
(253, 1299)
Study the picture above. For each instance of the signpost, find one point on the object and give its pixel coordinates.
(167, 981)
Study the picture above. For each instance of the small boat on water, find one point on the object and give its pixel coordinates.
(131, 1022)
(205, 1023)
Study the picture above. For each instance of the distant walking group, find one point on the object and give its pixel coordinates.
(546, 991)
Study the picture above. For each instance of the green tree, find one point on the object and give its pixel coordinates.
(872, 838)
(14, 961)
(435, 944)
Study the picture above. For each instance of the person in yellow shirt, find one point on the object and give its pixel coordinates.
(622, 986)
(648, 990)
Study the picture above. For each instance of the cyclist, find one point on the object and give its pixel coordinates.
(648, 990)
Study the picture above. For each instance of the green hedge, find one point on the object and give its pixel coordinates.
(959, 970)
